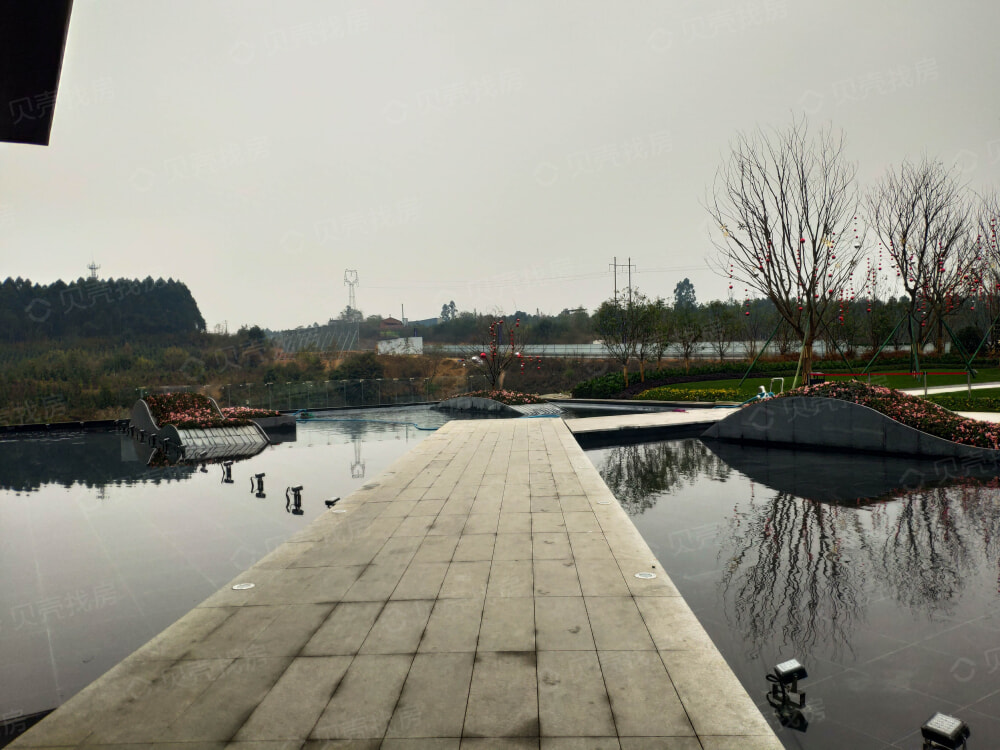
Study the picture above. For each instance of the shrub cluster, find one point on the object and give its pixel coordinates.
(613, 384)
(909, 410)
(667, 393)
(246, 412)
(187, 411)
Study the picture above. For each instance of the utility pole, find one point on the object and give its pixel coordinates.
(615, 266)
(630, 282)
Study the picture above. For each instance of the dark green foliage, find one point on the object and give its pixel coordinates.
(684, 296)
(119, 309)
(969, 337)
(612, 385)
(568, 327)
(363, 366)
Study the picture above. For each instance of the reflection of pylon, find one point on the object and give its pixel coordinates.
(358, 464)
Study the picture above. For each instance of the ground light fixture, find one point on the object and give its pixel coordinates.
(293, 503)
(943, 732)
(259, 478)
(784, 696)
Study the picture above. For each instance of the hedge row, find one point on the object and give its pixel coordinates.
(612, 384)
(666, 393)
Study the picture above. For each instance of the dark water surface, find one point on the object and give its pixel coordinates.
(99, 552)
(880, 575)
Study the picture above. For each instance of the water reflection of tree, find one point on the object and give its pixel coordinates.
(788, 572)
(90, 459)
(805, 570)
(636, 474)
(938, 539)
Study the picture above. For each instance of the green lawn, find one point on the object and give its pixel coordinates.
(750, 385)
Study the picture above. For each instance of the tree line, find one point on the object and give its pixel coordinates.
(794, 227)
(115, 309)
(641, 330)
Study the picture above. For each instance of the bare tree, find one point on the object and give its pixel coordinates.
(651, 335)
(755, 319)
(987, 273)
(720, 326)
(920, 214)
(783, 201)
(501, 344)
(685, 328)
(617, 322)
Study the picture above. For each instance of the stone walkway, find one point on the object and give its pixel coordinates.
(652, 426)
(482, 593)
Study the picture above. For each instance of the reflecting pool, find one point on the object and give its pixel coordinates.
(100, 552)
(879, 575)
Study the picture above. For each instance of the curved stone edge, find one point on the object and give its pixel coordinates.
(142, 420)
(836, 424)
(475, 403)
(282, 422)
(537, 410)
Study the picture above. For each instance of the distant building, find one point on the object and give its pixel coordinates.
(391, 327)
(411, 345)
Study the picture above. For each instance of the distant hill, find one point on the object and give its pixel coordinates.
(88, 308)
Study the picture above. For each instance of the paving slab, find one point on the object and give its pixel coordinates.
(479, 595)
(659, 425)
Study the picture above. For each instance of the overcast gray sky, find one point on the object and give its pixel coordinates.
(495, 154)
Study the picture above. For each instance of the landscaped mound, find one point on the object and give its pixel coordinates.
(188, 411)
(666, 393)
(909, 410)
(511, 398)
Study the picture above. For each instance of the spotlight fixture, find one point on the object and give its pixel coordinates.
(785, 689)
(784, 696)
(260, 484)
(790, 672)
(293, 504)
(943, 732)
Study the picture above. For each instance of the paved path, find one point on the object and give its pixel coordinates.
(480, 594)
(949, 388)
(651, 426)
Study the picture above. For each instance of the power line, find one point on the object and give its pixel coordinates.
(524, 280)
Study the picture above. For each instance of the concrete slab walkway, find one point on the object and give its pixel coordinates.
(482, 593)
(949, 388)
(651, 426)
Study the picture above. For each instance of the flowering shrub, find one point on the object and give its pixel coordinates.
(187, 411)
(666, 393)
(511, 398)
(909, 410)
(245, 412)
